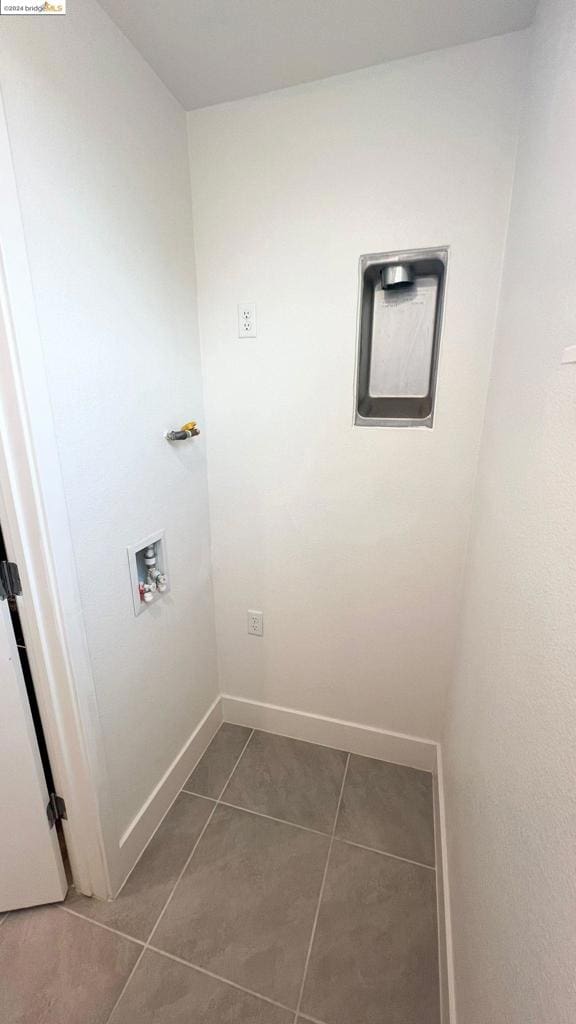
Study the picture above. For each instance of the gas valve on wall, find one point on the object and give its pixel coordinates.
(187, 430)
(155, 580)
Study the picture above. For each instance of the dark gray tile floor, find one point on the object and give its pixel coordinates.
(56, 967)
(288, 883)
(135, 911)
(389, 808)
(287, 779)
(213, 771)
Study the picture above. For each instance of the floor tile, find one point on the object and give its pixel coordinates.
(245, 905)
(163, 991)
(57, 968)
(388, 807)
(374, 959)
(289, 779)
(136, 909)
(213, 769)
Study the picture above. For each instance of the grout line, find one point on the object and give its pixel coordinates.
(193, 851)
(321, 893)
(146, 945)
(240, 756)
(317, 743)
(131, 938)
(125, 985)
(270, 817)
(315, 831)
(173, 889)
(393, 856)
(192, 792)
(218, 977)
(338, 805)
(99, 924)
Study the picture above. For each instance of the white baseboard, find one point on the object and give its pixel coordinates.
(331, 732)
(445, 946)
(144, 825)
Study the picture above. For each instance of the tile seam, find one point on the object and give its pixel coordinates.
(384, 853)
(100, 924)
(321, 893)
(270, 817)
(194, 848)
(220, 978)
(172, 891)
(317, 832)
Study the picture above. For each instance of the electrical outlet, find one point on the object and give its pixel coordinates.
(255, 623)
(247, 320)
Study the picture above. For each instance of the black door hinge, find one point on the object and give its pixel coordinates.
(56, 809)
(10, 585)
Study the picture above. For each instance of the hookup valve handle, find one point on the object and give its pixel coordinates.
(188, 430)
(155, 579)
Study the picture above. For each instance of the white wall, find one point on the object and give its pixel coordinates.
(351, 540)
(101, 159)
(511, 755)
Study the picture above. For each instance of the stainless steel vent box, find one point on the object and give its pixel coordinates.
(399, 324)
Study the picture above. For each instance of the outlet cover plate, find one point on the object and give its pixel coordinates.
(255, 623)
(246, 320)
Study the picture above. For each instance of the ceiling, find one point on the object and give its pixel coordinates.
(209, 51)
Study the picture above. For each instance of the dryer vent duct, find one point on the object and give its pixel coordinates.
(397, 275)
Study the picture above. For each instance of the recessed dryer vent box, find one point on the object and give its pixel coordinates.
(399, 324)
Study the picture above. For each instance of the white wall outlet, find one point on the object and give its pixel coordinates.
(255, 623)
(247, 320)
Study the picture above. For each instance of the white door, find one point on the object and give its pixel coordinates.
(31, 868)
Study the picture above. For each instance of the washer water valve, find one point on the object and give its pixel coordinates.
(149, 574)
(155, 580)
